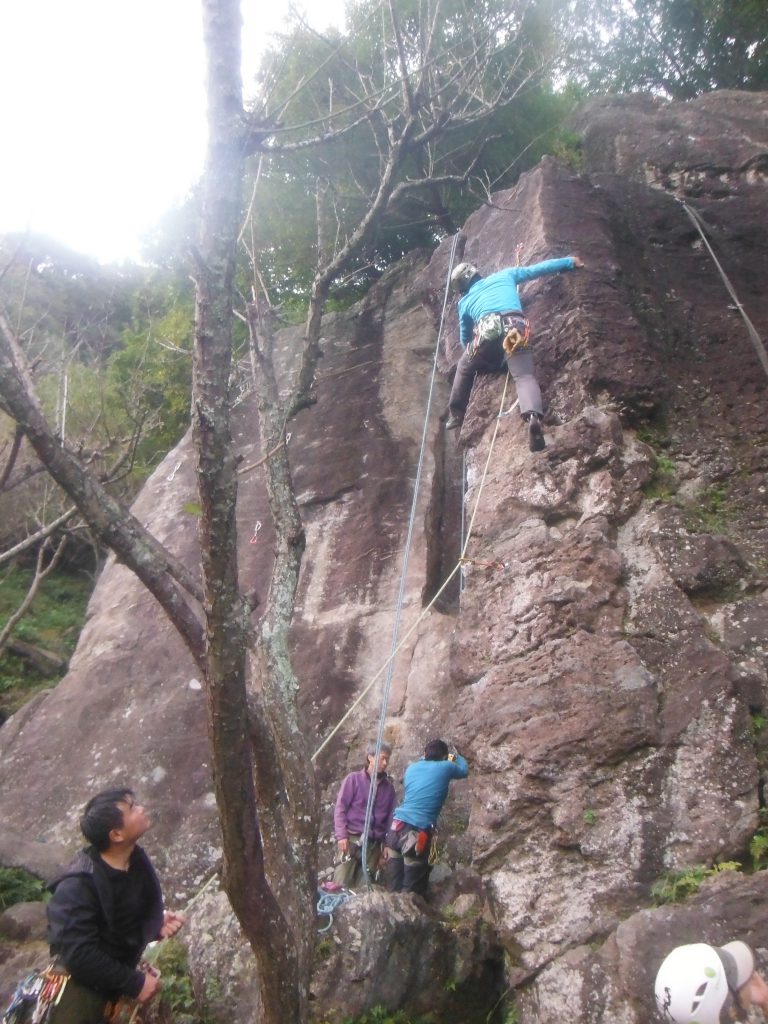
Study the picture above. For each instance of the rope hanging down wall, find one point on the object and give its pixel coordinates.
(754, 337)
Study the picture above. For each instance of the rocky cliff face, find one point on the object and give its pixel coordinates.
(604, 666)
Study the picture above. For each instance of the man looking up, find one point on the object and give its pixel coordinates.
(349, 817)
(409, 839)
(493, 330)
(104, 910)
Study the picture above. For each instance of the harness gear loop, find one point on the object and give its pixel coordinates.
(516, 338)
(434, 852)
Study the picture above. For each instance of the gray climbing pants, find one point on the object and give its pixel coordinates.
(490, 358)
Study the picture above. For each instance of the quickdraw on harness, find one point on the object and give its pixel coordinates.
(513, 330)
(35, 996)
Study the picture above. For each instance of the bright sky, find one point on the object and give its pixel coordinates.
(103, 112)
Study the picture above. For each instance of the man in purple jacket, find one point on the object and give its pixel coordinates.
(349, 817)
(494, 331)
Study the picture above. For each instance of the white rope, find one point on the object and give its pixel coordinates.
(428, 607)
(751, 329)
(401, 592)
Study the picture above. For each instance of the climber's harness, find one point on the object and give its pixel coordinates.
(512, 329)
(409, 842)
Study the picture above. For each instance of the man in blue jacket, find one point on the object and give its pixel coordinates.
(104, 910)
(409, 839)
(493, 330)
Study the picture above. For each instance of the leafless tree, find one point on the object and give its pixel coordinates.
(263, 778)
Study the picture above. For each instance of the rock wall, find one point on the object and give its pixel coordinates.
(604, 667)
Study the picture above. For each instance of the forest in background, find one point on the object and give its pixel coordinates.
(354, 150)
(111, 346)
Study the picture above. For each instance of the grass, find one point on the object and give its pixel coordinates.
(758, 844)
(663, 484)
(53, 622)
(675, 886)
(712, 513)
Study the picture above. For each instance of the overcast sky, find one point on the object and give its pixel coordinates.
(103, 111)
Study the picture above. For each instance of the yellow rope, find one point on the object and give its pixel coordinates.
(448, 579)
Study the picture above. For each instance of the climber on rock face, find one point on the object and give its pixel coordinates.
(408, 841)
(493, 331)
(702, 984)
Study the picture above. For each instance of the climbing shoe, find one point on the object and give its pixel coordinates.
(536, 440)
(453, 423)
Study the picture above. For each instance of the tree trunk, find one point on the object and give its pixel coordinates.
(269, 906)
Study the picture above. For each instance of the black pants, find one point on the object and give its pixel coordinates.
(405, 870)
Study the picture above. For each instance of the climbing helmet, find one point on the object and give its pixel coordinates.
(462, 277)
(693, 984)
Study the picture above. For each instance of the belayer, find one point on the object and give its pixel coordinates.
(409, 839)
(493, 330)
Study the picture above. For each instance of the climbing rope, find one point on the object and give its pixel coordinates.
(329, 902)
(751, 329)
(401, 591)
(427, 608)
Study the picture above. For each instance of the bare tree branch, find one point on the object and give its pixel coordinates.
(35, 538)
(112, 522)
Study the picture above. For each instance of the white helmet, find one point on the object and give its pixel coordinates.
(462, 277)
(694, 982)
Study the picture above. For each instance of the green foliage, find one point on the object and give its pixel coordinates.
(177, 1004)
(19, 886)
(590, 816)
(567, 149)
(712, 511)
(315, 83)
(758, 844)
(53, 622)
(663, 483)
(512, 1015)
(675, 886)
(680, 48)
(115, 342)
(148, 379)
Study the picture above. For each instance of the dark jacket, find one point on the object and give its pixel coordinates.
(82, 929)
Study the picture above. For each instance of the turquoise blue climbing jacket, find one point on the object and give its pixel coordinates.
(426, 787)
(498, 293)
